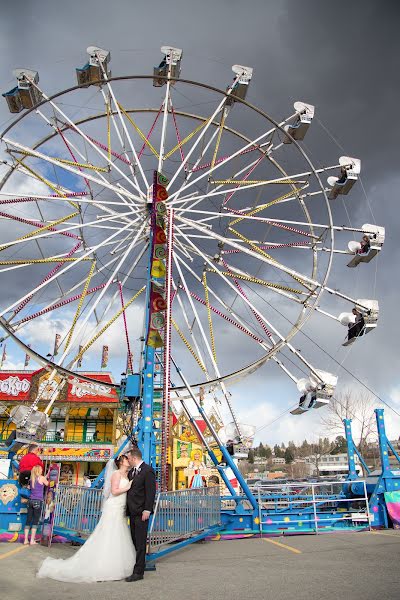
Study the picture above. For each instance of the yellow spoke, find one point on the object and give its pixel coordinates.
(256, 280)
(67, 162)
(140, 132)
(210, 325)
(187, 138)
(221, 128)
(251, 181)
(40, 230)
(81, 300)
(188, 346)
(106, 326)
(260, 251)
(39, 261)
(46, 182)
(81, 165)
(262, 206)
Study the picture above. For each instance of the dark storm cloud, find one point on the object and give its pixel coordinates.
(343, 57)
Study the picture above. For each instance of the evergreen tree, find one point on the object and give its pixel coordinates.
(289, 456)
(277, 451)
(268, 451)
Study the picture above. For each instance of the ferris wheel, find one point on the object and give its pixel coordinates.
(245, 226)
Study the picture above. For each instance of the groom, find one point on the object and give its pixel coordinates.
(140, 501)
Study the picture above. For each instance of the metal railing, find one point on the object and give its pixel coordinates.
(313, 500)
(51, 437)
(70, 439)
(182, 514)
(78, 509)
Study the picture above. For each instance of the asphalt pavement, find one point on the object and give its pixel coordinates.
(352, 566)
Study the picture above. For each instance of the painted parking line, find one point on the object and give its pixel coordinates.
(14, 551)
(290, 548)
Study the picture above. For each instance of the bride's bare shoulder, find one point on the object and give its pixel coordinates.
(116, 476)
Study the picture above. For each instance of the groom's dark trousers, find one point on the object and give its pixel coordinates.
(140, 497)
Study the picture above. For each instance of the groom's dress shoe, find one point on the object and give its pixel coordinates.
(134, 577)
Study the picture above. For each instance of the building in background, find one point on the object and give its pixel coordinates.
(187, 453)
(330, 465)
(83, 428)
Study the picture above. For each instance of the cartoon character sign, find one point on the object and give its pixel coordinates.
(41, 386)
(66, 473)
(8, 493)
(187, 434)
(197, 472)
(182, 453)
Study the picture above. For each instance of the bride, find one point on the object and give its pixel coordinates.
(108, 554)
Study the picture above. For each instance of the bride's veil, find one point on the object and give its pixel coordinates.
(110, 469)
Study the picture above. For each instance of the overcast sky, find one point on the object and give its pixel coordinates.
(342, 57)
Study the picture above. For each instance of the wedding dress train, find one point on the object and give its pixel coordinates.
(107, 555)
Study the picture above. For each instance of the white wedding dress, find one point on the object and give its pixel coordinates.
(107, 555)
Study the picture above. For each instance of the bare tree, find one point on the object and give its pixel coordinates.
(352, 404)
(318, 451)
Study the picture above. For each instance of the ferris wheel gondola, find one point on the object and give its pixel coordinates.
(243, 233)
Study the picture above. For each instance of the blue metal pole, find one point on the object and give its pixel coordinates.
(146, 437)
(227, 457)
(350, 450)
(383, 445)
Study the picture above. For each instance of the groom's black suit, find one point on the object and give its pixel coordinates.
(139, 498)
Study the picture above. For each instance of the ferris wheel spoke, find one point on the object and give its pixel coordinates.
(101, 294)
(279, 223)
(206, 342)
(15, 198)
(179, 139)
(110, 117)
(261, 257)
(240, 327)
(61, 301)
(245, 299)
(264, 147)
(55, 162)
(71, 147)
(246, 184)
(245, 178)
(66, 231)
(86, 254)
(97, 330)
(197, 354)
(161, 157)
(203, 129)
(207, 173)
(283, 290)
(197, 318)
(88, 141)
(146, 140)
(238, 321)
(124, 127)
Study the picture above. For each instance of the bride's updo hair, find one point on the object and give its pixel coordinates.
(119, 460)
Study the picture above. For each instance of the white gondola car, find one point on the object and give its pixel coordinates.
(376, 236)
(33, 425)
(299, 128)
(95, 69)
(242, 85)
(25, 94)
(350, 170)
(370, 312)
(170, 63)
(230, 436)
(316, 390)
